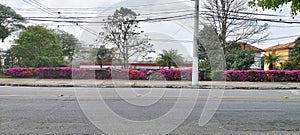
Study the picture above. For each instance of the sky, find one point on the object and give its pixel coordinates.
(164, 32)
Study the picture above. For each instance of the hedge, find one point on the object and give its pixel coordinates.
(163, 74)
(20, 72)
(82, 73)
(263, 76)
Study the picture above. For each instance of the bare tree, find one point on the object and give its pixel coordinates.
(122, 32)
(232, 21)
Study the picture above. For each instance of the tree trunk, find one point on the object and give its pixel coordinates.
(271, 66)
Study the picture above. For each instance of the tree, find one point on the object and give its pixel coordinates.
(210, 49)
(231, 22)
(122, 32)
(271, 60)
(37, 47)
(237, 58)
(10, 22)
(68, 42)
(275, 4)
(294, 58)
(103, 55)
(9, 60)
(295, 53)
(169, 58)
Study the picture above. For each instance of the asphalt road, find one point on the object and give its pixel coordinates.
(27, 110)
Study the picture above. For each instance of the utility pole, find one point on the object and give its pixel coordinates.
(195, 75)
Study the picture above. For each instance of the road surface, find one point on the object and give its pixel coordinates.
(34, 110)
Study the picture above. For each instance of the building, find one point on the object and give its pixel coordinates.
(2, 57)
(257, 55)
(281, 50)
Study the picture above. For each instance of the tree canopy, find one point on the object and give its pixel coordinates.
(123, 33)
(294, 58)
(210, 48)
(68, 42)
(226, 18)
(276, 4)
(10, 22)
(271, 60)
(296, 50)
(37, 47)
(237, 58)
(104, 55)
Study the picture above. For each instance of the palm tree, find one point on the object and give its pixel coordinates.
(169, 58)
(271, 60)
(103, 55)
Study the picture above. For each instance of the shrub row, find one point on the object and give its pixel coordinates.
(81, 73)
(163, 74)
(263, 76)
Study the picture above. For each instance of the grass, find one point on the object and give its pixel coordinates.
(4, 76)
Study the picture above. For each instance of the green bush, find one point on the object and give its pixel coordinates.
(217, 75)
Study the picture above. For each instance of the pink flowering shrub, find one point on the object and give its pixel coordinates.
(170, 74)
(20, 72)
(82, 73)
(144, 74)
(176, 74)
(75, 73)
(186, 74)
(126, 74)
(246, 75)
(163, 74)
(263, 76)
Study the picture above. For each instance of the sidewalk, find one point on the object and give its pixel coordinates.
(145, 84)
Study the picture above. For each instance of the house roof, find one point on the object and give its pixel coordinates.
(251, 47)
(281, 46)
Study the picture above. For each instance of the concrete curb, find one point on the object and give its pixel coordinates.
(146, 84)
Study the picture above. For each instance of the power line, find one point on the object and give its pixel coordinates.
(97, 8)
(276, 38)
(169, 18)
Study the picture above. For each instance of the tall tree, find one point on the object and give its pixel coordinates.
(276, 4)
(104, 55)
(169, 58)
(122, 32)
(68, 42)
(8, 61)
(296, 50)
(210, 49)
(10, 22)
(294, 57)
(230, 21)
(37, 47)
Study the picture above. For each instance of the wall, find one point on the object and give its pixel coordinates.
(283, 56)
(257, 63)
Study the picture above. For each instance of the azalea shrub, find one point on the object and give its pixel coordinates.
(59, 72)
(20, 72)
(75, 73)
(125, 74)
(82, 73)
(172, 74)
(163, 74)
(263, 76)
